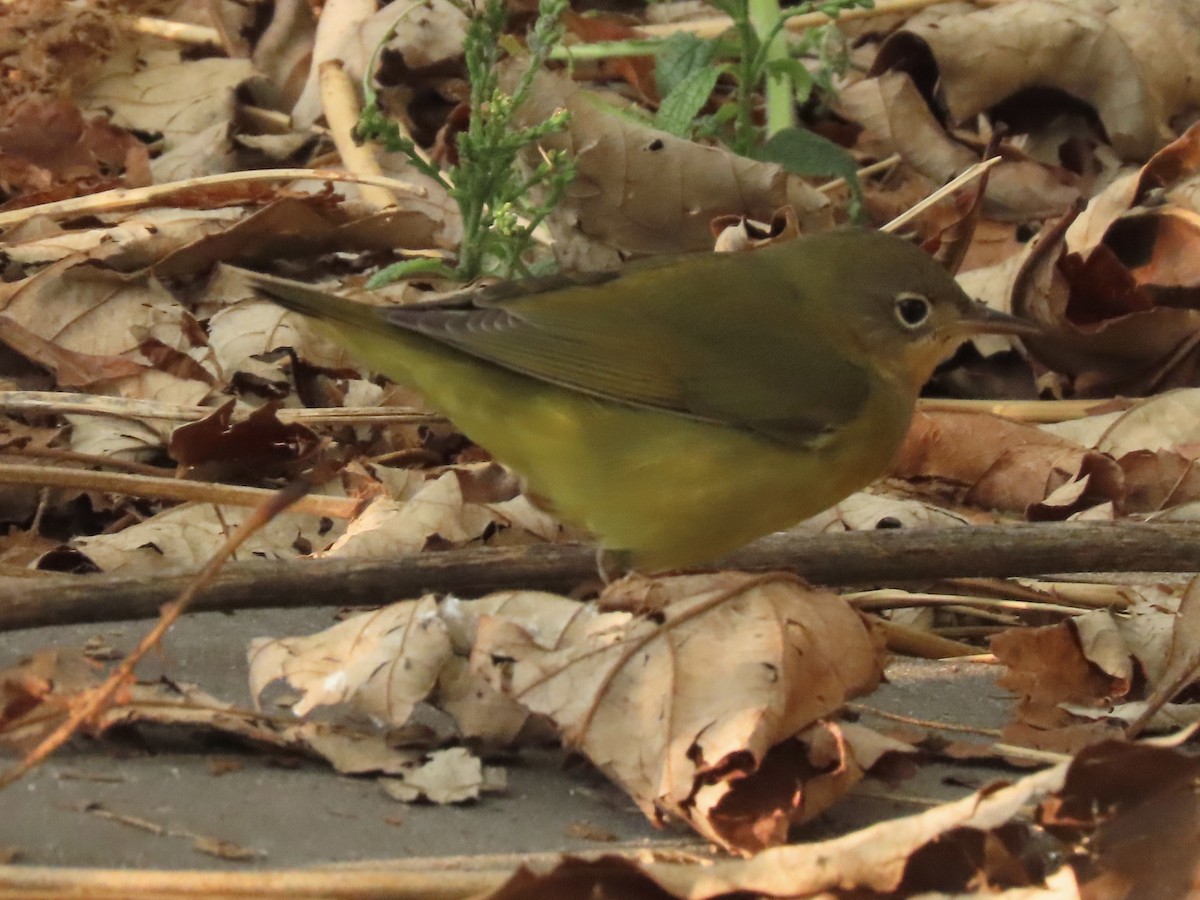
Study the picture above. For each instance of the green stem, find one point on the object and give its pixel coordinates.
(764, 17)
(607, 49)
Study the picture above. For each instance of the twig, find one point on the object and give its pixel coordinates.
(922, 644)
(1032, 411)
(1084, 595)
(162, 488)
(1049, 757)
(180, 32)
(718, 25)
(84, 459)
(97, 699)
(67, 403)
(340, 104)
(129, 198)
(839, 559)
(975, 171)
(865, 172)
(382, 882)
(892, 599)
(865, 709)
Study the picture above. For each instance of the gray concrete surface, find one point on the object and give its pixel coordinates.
(307, 815)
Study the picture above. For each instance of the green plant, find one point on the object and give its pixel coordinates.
(760, 60)
(502, 202)
(774, 63)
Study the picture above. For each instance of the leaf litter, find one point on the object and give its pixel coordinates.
(126, 303)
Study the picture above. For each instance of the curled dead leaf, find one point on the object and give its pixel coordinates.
(998, 464)
(1134, 64)
(788, 655)
(1118, 292)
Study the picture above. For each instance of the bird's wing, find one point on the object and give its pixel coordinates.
(708, 360)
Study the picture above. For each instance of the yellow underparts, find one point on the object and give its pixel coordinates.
(672, 490)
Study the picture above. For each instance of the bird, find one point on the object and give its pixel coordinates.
(680, 407)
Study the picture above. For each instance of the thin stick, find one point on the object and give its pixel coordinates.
(931, 724)
(84, 459)
(922, 644)
(162, 488)
(180, 32)
(864, 172)
(97, 699)
(339, 101)
(1032, 411)
(965, 178)
(1043, 756)
(67, 403)
(892, 599)
(718, 25)
(129, 198)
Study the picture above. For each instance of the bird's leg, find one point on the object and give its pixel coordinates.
(612, 564)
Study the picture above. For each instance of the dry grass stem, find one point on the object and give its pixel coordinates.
(161, 488)
(130, 198)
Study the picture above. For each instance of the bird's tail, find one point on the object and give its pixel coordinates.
(309, 301)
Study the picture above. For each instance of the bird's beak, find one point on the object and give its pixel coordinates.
(980, 319)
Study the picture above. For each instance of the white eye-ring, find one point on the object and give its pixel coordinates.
(912, 310)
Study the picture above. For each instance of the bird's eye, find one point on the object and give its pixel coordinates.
(912, 310)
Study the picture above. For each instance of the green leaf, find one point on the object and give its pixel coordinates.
(805, 152)
(682, 55)
(792, 68)
(409, 268)
(680, 107)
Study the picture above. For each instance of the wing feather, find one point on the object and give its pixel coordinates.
(710, 359)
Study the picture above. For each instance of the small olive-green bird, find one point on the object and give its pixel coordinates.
(680, 408)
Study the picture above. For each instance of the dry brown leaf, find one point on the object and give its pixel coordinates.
(389, 527)
(243, 331)
(952, 850)
(705, 732)
(893, 111)
(1131, 813)
(866, 511)
(1135, 64)
(189, 102)
(89, 312)
(1169, 421)
(1120, 294)
(126, 437)
(1078, 680)
(352, 32)
(1183, 654)
(184, 538)
(413, 656)
(644, 191)
(125, 242)
(46, 142)
(71, 368)
(1155, 442)
(377, 666)
(284, 48)
(453, 775)
(306, 226)
(36, 693)
(997, 464)
(52, 50)
(1046, 667)
(40, 691)
(217, 448)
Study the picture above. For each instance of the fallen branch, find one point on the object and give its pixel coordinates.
(852, 558)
